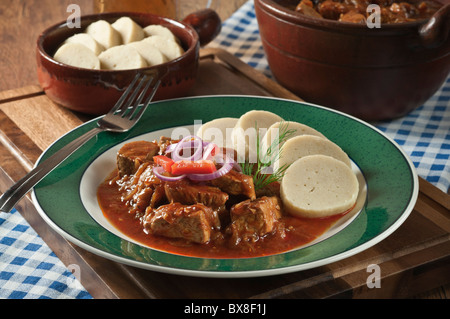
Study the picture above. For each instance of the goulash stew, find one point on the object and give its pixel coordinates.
(355, 11)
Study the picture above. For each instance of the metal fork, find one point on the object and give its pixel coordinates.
(121, 118)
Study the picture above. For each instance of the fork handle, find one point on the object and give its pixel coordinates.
(10, 198)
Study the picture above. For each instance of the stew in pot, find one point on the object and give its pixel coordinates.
(355, 11)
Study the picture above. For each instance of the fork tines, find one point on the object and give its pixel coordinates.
(131, 106)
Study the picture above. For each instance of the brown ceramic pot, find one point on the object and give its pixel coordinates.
(373, 74)
(96, 91)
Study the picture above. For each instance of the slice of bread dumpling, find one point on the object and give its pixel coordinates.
(150, 53)
(218, 131)
(122, 57)
(104, 34)
(305, 145)
(77, 55)
(86, 40)
(244, 133)
(294, 129)
(129, 30)
(318, 186)
(279, 132)
(156, 29)
(169, 48)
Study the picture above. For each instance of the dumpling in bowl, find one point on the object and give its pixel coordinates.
(77, 55)
(121, 57)
(104, 34)
(129, 30)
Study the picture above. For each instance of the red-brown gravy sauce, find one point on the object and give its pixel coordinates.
(298, 232)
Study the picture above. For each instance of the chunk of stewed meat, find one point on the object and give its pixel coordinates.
(186, 193)
(358, 11)
(253, 219)
(235, 183)
(133, 154)
(332, 10)
(194, 223)
(353, 17)
(141, 189)
(164, 142)
(307, 8)
(272, 189)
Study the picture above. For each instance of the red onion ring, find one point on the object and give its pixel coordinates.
(219, 159)
(198, 148)
(189, 144)
(208, 149)
(237, 167)
(158, 171)
(226, 167)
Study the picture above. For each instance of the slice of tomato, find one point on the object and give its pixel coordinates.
(193, 167)
(164, 161)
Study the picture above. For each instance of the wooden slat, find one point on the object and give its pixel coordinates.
(439, 197)
(11, 136)
(257, 79)
(40, 119)
(21, 93)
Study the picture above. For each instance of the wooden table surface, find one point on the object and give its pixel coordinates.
(21, 21)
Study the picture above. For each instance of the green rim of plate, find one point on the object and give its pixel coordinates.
(392, 188)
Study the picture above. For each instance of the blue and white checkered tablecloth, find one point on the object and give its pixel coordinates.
(29, 269)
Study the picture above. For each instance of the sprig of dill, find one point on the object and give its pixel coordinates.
(261, 171)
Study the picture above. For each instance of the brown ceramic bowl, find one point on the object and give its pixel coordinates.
(96, 91)
(374, 74)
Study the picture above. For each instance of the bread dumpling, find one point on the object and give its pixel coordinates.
(294, 129)
(122, 57)
(318, 186)
(129, 30)
(169, 48)
(156, 29)
(77, 55)
(104, 34)
(150, 53)
(244, 134)
(304, 145)
(86, 40)
(218, 131)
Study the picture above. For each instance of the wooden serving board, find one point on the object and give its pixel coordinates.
(414, 259)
